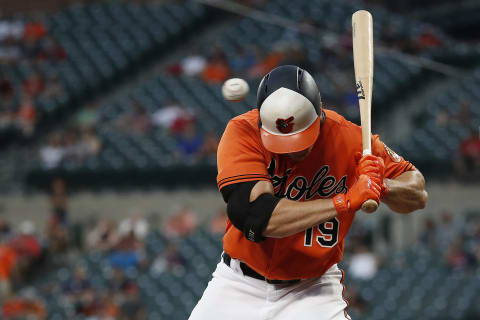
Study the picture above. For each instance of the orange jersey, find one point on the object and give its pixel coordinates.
(329, 169)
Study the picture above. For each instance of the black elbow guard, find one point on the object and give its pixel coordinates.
(249, 217)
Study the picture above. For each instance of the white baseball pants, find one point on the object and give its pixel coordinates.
(232, 296)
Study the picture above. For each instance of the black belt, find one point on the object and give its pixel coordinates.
(247, 271)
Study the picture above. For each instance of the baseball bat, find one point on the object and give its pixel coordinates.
(362, 37)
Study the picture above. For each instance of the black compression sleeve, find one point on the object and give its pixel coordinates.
(260, 212)
(249, 217)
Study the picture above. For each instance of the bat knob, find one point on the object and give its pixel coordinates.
(370, 206)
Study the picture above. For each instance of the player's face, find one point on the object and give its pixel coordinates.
(300, 155)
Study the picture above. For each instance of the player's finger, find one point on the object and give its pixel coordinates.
(372, 194)
(371, 162)
(373, 173)
(374, 186)
(370, 168)
(369, 157)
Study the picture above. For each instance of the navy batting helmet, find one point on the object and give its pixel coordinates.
(290, 109)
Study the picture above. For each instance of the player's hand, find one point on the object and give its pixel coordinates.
(374, 167)
(362, 190)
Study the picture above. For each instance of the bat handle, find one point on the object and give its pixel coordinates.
(370, 206)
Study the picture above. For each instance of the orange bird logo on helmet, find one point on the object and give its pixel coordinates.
(285, 125)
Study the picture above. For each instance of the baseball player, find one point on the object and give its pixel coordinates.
(292, 175)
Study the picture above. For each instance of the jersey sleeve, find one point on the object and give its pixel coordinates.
(395, 165)
(240, 156)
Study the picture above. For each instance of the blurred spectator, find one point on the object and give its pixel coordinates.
(457, 257)
(5, 230)
(129, 252)
(27, 248)
(174, 69)
(136, 121)
(7, 93)
(89, 304)
(74, 287)
(50, 49)
(87, 117)
(7, 119)
(363, 263)
(72, 146)
(446, 230)
(442, 118)
(467, 162)
(295, 55)
(126, 292)
(8, 259)
(181, 223)
(103, 237)
(80, 145)
(190, 143)
(90, 143)
(462, 117)
(464, 114)
(27, 116)
(428, 39)
(168, 261)
(58, 228)
(25, 306)
(74, 151)
(52, 154)
(119, 283)
(9, 52)
(193, 64)
(349, 104)
(210, 145)
(124, 256)
(33, 85)
(217, 69)
(11, 29)
(53, 87)
(34, 30)
(173, 117)
(132, 306)
(109, 308)
(135, 225)
(267, 62)
(30, 48)
(242, 60)
(429, 237)
(219, 223)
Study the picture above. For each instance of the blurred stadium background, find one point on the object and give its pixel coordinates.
(110, 115)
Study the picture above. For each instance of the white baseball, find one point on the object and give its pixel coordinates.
(235, 89)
